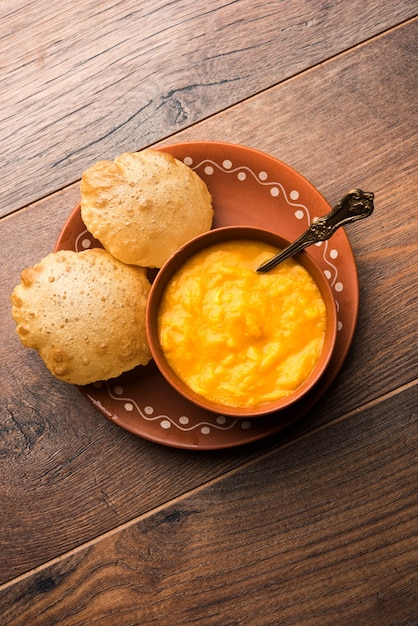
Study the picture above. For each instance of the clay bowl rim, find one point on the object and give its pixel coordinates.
(176, 260)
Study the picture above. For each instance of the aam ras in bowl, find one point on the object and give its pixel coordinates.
(234, 341)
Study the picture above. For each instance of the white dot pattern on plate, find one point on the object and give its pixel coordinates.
(277, 189)
(166, 422)
(84, 241)
(301, 212)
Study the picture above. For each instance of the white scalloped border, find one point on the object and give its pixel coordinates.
(184, 423)
(276, 189)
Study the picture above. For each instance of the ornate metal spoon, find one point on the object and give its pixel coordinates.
(355, 205)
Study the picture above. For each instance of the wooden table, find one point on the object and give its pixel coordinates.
(313, 526)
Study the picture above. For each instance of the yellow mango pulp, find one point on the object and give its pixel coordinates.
(237, 337)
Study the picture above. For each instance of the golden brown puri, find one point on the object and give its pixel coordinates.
(85, 314)
(143, 206)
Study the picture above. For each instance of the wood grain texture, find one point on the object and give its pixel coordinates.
(322, 532)
(88, 80)
(69, 475)
(352, 123)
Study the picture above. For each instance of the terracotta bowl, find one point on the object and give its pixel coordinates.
(176, 261)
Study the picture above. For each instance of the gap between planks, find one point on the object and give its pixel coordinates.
(172, 136)
(288, 79)
(364, 407)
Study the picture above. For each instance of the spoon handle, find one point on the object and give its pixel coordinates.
(355, 205)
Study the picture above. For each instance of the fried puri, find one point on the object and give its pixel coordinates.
(84, 313)
(143, 206)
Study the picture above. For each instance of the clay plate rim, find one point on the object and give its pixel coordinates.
(256, 190)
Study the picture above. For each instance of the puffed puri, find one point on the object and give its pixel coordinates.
(84, 312)
(145, 205)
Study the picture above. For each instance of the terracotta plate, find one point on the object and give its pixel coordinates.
(248, 188)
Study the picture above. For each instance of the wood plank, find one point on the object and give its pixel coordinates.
(90, 80)
(53, 440)
(339, 509)
(69, 474)
(352, 123)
